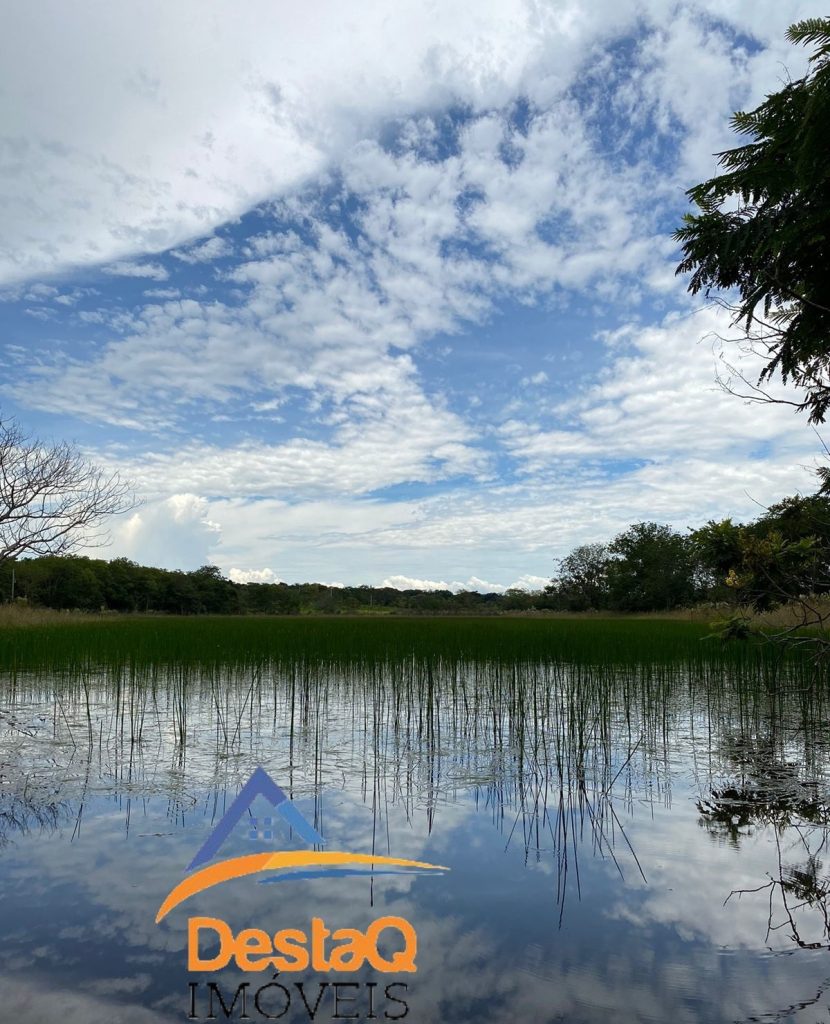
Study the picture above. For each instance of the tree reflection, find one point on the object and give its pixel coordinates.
(774, 791)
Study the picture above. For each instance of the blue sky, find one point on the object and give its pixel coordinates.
(382, 294)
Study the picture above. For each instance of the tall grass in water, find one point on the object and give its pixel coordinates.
(220, 641)
(558, 752)
(554, 728)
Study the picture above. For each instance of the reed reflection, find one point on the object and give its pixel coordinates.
(575, 798)
(558, 756)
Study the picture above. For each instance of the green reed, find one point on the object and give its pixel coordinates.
(217, 642)
(561, 730)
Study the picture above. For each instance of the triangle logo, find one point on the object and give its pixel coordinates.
(260, 784)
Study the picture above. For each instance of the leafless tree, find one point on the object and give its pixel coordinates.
(52, 499)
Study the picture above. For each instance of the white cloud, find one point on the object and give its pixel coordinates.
(386, 437)
(123, 268)
(213, 249)
(176, 533)
(325, 316)
(400, 582)
(29, 998)
(651, 438)
(530, 583)
(329, 324)
(411, 583)
(253, 576)
(41, 291)
(657, 397)
(207, 112)
(507, 534)
(331, 315)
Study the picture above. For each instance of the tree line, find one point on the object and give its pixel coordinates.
(781, 556)
(120, 585)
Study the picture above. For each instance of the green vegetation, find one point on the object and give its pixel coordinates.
(755, 566)
(650, 567)
(131, 642)
(555, 727)
(89, 584)
(764, 226)
(785, 552)
(761, 241)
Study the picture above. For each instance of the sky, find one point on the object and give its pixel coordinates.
(383, 293)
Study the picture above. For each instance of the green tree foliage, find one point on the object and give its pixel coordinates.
(783, 555)
(763, 229)
(60, 583)
(717, 548)
(123, 586)
(581, 581)
(652, 568)
(648, 567)
(800, 517)
(213, 593)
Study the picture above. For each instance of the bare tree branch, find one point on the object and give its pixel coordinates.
(51, 499)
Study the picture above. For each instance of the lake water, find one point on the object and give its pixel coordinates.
(596, 828)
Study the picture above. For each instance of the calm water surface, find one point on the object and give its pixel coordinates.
(645, 845)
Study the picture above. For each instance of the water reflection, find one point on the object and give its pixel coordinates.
(644, 844)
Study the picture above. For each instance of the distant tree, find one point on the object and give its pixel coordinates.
(61, 583)
(764, 228)
(180, 594)
(212, 592)
(51, 499)
(718, 551)
(75, 585)
(515, 599)
(651, 569)
(122, 585)
(581, 580)
(798, 517)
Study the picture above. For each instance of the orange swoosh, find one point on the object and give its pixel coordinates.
(238, 867)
